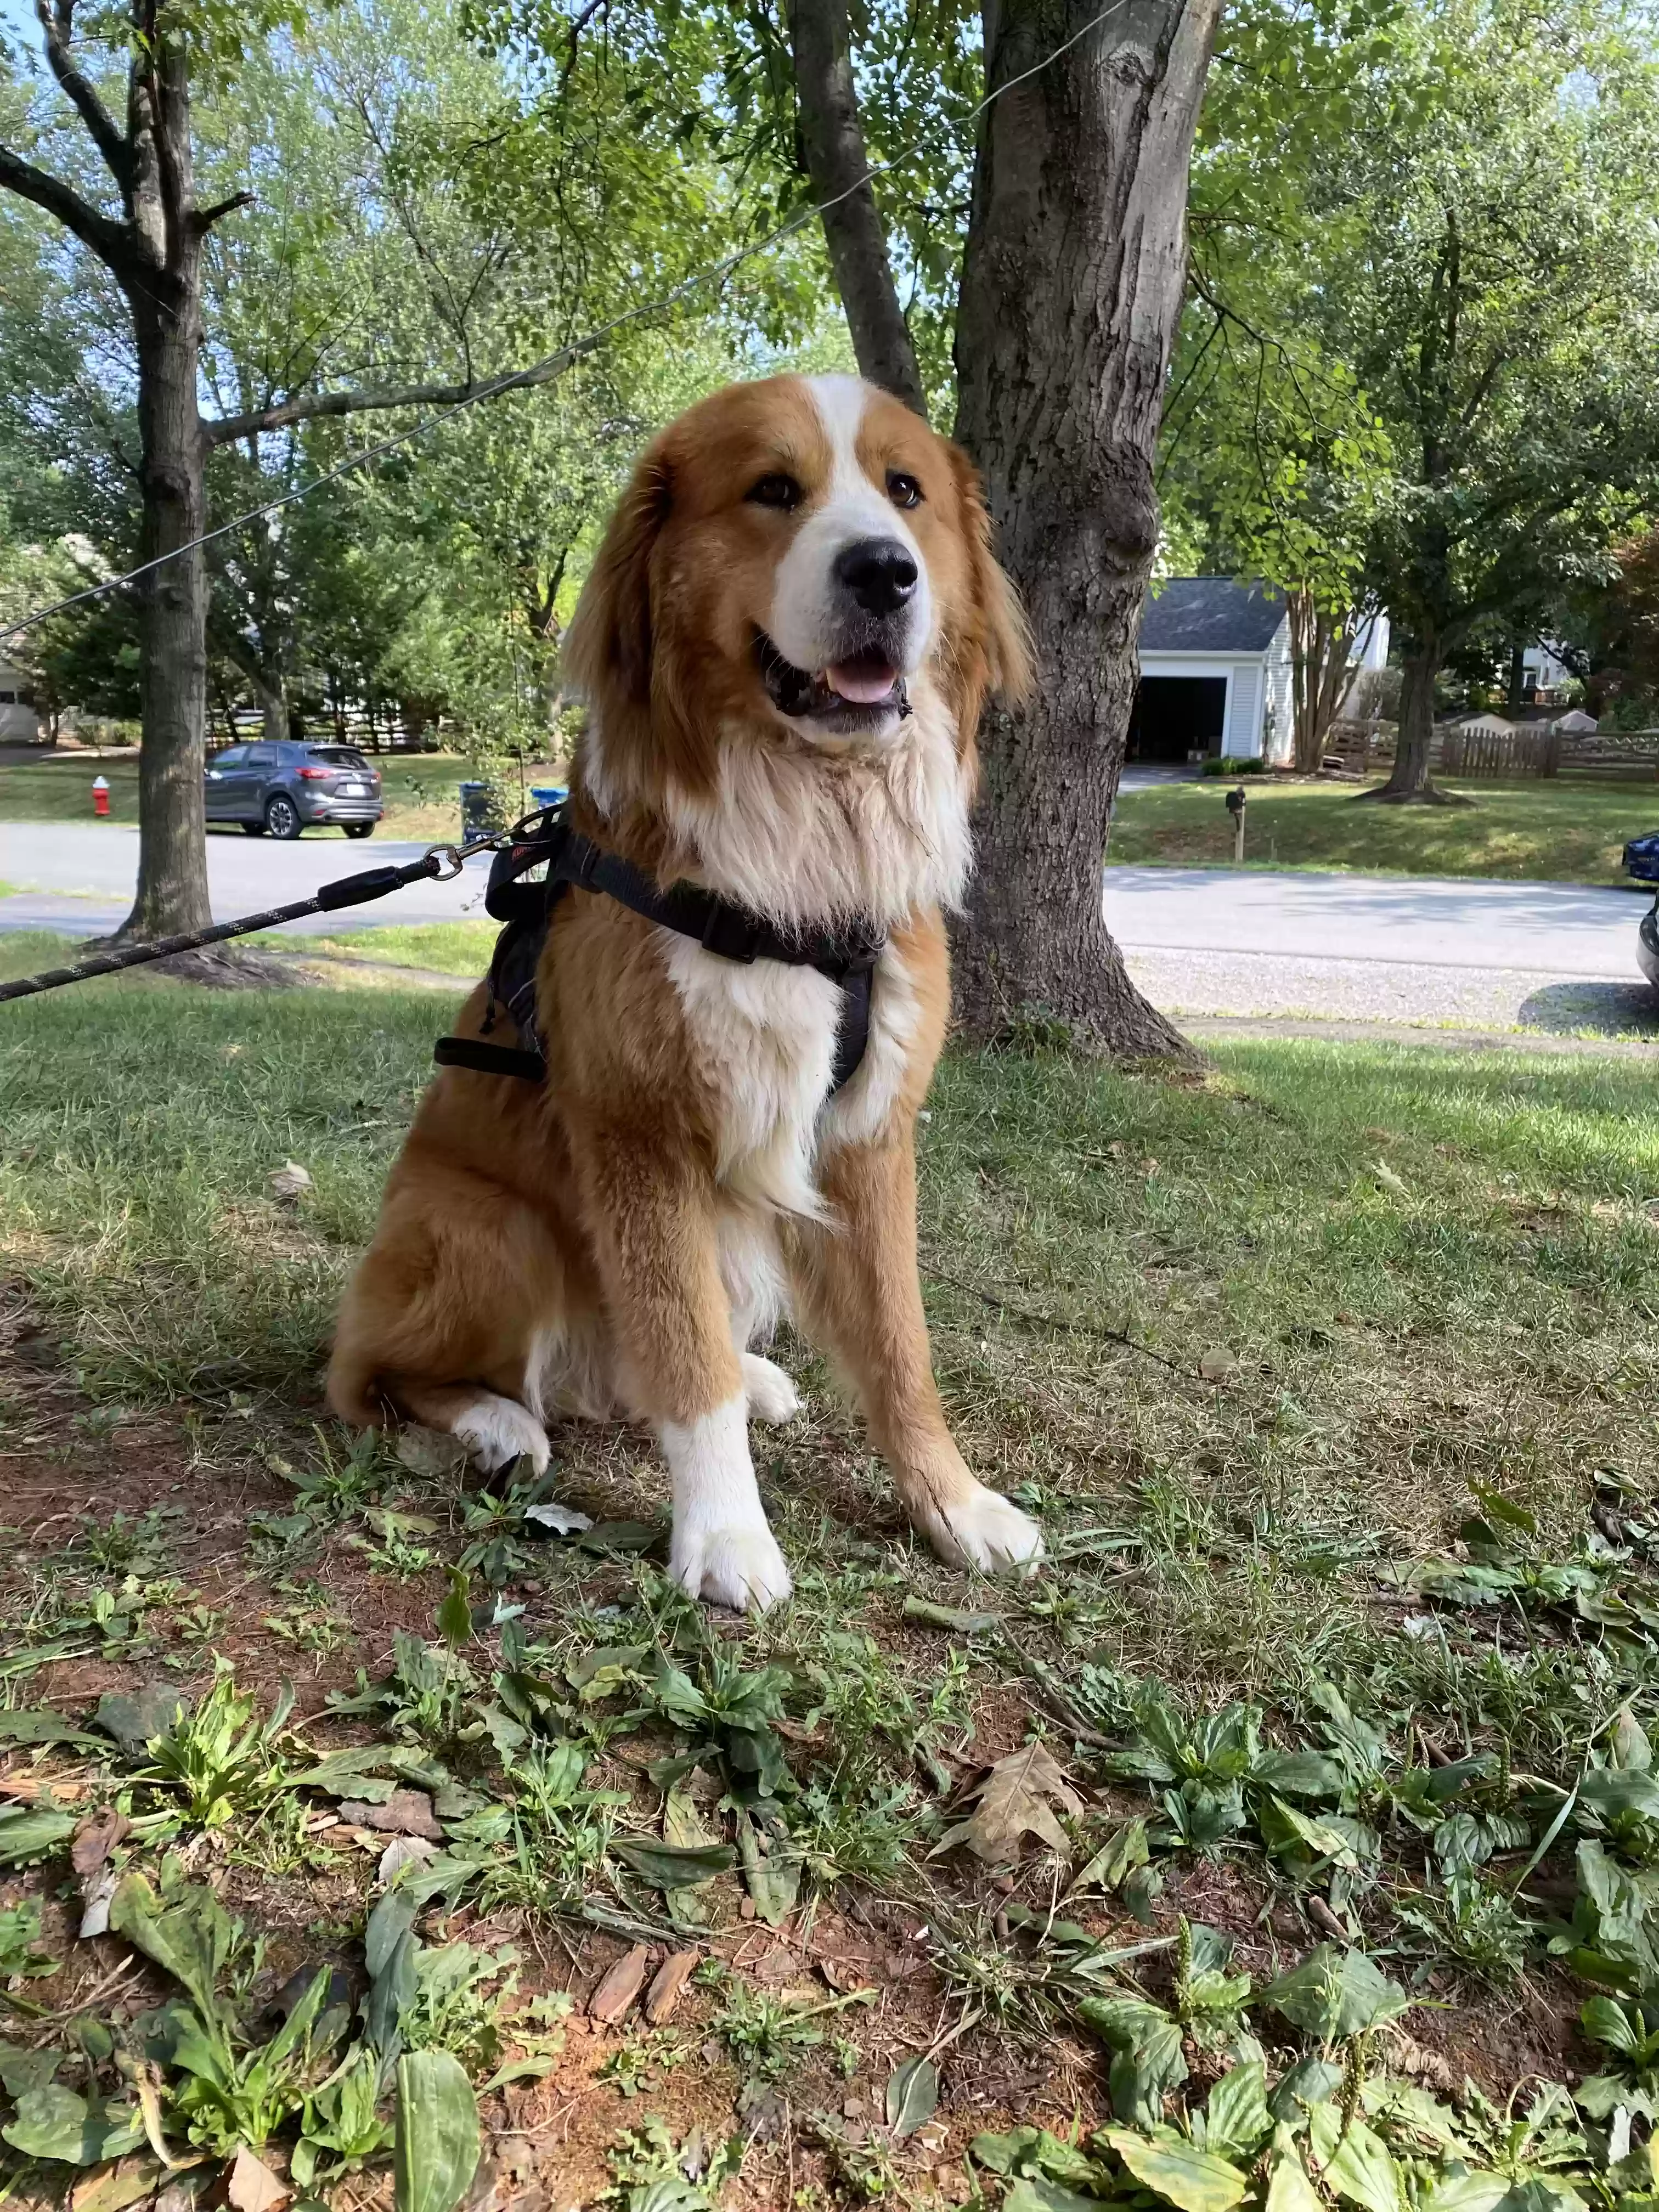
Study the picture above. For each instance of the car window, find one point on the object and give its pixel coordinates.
(262, 755)
(336, 756)
(232, 756)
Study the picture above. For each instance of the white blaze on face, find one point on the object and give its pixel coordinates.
(810, 611)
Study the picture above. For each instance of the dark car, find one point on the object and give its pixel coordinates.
(281, 788)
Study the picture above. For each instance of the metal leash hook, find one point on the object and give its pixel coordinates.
(438, 864)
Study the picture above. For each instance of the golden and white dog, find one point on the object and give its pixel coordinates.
(786, 642)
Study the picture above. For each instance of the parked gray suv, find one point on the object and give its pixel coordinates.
(279, 789)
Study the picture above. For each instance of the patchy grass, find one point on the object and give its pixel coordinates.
(1559, 830)
(419, 789)
(1331, 1375)
(445, 948)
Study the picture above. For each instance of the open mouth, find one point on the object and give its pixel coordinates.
(860, 688)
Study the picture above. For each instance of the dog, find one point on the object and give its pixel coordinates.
(785, 643)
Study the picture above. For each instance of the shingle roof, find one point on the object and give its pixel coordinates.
(1210, 614)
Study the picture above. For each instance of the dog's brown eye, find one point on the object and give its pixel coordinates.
(775, 490)
(902, 491)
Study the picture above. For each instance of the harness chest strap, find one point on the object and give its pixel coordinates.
(728, 931)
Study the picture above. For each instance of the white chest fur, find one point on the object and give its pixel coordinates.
(764, 1040)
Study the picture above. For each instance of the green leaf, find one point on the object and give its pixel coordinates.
(1289, 2188)
(454, 1616)
(53, 2122)
(1146, 2055)
(1299, 1774)
(1605, 2020)
(772, 1871)
(952, 1617)
(1628, 1743)
(1236, 2119)
(674, 1866)
(1354, 2161)
(436, 2152)
(1467, 2192)
(191, 1937)
(21, 2070)
(1124, 1849)
(1195, 2180)
(1035, 2192)
(1333, 1995)
(28, 1832)
(42, 1725)
(1289, 1833)
(1504, 1510)
(912, 2095)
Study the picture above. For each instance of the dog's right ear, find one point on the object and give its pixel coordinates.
(609, 648)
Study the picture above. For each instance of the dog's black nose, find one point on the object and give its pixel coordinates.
(880, 574)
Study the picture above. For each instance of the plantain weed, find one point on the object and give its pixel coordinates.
(220, 1760)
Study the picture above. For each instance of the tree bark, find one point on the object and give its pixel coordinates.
(1320, 643)
(832, 137)
(1071, 286)
(1409, 784)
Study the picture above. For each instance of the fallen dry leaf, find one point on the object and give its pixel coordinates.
(402, 1852)
(620, 1986)
(430, 1452)
(252, 2186)
(1386, 1175)
(1013, 1801)
(96, 1839)
(286, 1183)
(96, 1893)
(405, 1813)
(668, 1985)
(33, 1788)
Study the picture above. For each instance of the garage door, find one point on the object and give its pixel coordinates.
(1176, 716)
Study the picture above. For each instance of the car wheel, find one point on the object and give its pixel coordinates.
(358, 829)
(253, 829)
(282, 817)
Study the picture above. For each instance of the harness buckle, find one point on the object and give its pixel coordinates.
(730, 936)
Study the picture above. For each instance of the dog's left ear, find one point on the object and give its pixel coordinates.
(992, 649)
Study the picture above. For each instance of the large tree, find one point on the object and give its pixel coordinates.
(1469, 250)
(115, 167)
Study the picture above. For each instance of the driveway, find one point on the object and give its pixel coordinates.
(1199, 940)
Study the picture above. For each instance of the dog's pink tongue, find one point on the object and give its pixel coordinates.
(865, 682)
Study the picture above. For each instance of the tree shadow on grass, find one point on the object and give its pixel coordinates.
(1602, 1009)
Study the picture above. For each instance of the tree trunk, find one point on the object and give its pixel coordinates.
(1410, 784)
(1319, 669)
(273, 713)
(1071, 286)
(1514, 690)
(832, 137)
(173, 885)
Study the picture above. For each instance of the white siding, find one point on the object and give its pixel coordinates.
(1243, 739)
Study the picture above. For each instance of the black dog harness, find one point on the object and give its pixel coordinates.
(730, 932)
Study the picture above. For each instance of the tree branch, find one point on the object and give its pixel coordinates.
(204, 218)
(57, 28)
(107, 240)
(309, 407)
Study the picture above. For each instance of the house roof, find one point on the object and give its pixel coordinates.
(1210, 614)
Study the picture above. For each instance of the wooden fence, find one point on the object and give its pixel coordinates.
(1506, 755)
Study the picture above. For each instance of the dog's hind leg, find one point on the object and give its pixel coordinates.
(496, 1429)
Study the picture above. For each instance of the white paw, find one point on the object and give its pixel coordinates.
(739, 1566)
(985, 1531)
(497, 1431)
(771, 1395)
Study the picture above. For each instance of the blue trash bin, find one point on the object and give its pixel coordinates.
(549, 794)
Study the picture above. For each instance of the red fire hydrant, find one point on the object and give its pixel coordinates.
(100, 795)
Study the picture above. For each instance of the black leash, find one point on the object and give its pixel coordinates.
(442, 864)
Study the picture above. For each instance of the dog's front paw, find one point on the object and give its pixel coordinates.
(771, 1394)
(983, 1530)
(738, 1566)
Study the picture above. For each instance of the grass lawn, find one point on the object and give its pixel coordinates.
(420, 791)
(1331, 1374)
(447, 948)
(1550, 831)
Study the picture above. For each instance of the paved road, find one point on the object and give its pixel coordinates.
(1254, 941)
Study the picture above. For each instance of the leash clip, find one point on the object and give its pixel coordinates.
(437, 854)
